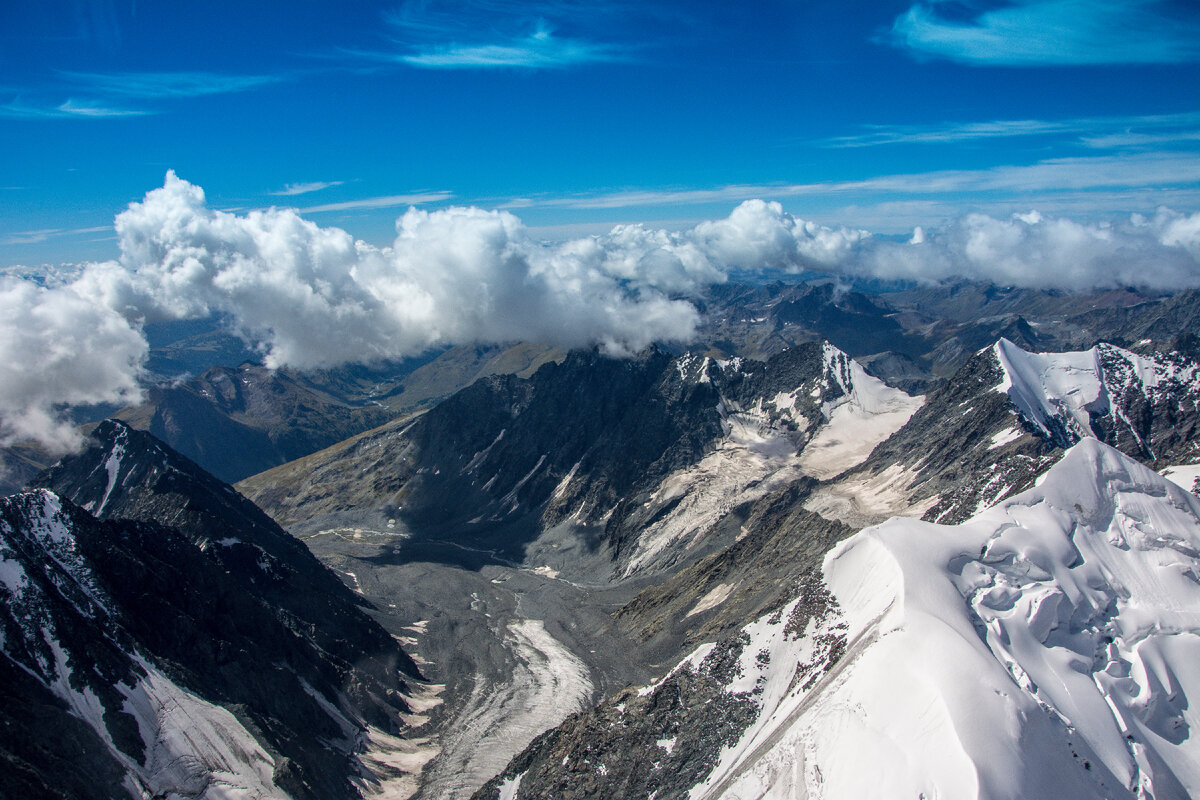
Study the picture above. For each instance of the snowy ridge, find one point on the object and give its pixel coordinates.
(1048, 647)
(1059, 394)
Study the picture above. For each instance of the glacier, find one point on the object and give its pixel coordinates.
(1047, 647)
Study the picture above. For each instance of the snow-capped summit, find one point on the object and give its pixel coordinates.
(1048, 647)
(1106, 392)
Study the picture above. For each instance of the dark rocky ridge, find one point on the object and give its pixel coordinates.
(661, 741)
(234, 608)
(151, 483)
(103, 598)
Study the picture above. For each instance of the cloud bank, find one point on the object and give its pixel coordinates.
(312, 296)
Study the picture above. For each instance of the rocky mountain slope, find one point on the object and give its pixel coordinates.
(1007, 415)
(183, 589)
(596, 460)
(1045, 647)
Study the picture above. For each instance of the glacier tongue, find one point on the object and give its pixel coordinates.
(1048, 647)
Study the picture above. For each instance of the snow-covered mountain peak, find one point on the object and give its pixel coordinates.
(1052, 639)
(1047, 647)
(1050, 388)
(1062, 395)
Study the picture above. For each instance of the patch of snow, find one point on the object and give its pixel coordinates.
(667, 744)
(691, 662)
(1185, 475)
(1004, 437)
(509, 501)
(509, 787)
(194, 748)
(113, 466)
(712, 599)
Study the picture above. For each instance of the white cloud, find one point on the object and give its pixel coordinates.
(539, 50)
(387, 201)
(305, 188)
(57, 349)
(19, 108)
(504, 34)
(312, 296)
(157, 85)
(1150, 170)
(1054, 32)
(1092, 131)
(1162, 252)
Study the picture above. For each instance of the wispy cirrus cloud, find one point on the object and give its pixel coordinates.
(502, 34)
(1092, 131)
(108, 94)
(386, 201)
(1151, 171)
(1026, 33)
(540, 50)
(19, 108)
(293, 189)
(162, 85)
(37, 236)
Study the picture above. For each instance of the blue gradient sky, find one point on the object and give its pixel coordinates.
(576, 116)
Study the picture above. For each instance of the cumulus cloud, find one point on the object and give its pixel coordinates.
(313, 296)
(58, 349)
(310, 296)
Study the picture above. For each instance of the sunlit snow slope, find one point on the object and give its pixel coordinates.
(1047, 647)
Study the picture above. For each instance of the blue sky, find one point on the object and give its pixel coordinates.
(576, 116)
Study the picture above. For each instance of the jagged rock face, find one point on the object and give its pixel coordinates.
(86, 603)
(777, 543)
(1008, 414)
(235, 609)
(127, 474)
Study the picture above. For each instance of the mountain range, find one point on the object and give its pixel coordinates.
(922, 529)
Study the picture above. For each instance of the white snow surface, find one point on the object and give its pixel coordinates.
(1185, 475)
(195, 748)
(1045, 386)
(1048, 647)
(869, 412)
